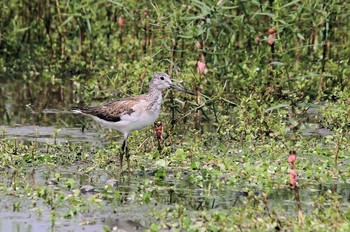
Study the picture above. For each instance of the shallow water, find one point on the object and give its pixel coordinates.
(131, 215)
(31, 222)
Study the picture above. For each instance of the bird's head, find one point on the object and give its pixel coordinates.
(162, 80)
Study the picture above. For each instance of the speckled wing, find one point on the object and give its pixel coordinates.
(112, 111)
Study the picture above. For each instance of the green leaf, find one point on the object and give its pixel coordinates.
(185, 36)
(161, 163)
(116, 3)
(195, 165)
(300, 36)
(278, 107)
(314, 75)
(272, 16)
(290, 3)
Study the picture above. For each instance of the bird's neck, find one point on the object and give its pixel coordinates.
(155, 93)
(155, 100)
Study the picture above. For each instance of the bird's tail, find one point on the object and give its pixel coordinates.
(76, 110)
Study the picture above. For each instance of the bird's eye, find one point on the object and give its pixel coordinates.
(162, 78)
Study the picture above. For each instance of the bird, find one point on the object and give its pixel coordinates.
(131, 113)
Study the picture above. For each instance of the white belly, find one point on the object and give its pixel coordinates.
(145, 113)
(128, 123)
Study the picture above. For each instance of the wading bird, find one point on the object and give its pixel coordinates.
(132, 113)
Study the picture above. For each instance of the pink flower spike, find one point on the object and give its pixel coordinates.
(121, 22)
(292, 157)
(201, 67)
(271, 40)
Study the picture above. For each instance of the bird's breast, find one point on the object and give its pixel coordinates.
(144, 114)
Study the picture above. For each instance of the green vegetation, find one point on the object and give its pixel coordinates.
(269, 77)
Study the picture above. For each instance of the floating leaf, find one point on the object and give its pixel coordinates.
(277, 63)
(161, 163)
(306, 104)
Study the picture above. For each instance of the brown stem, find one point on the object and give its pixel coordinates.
(338, 148)
(297, 199)
(268, 211)
(198, 112)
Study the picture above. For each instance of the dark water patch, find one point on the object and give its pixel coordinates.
(315, 130)
(24, 102)
(123, 225)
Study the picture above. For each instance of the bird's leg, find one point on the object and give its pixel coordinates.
(125, 149)
(122, 151)
(127, 158)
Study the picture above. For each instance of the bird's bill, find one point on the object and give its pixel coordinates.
(180, 89)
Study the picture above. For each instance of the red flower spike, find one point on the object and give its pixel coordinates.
(271, 40)
(292, 157)
(201, 67)
(158, 129)
(272, 37)
(293, 176)
(121, 22)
